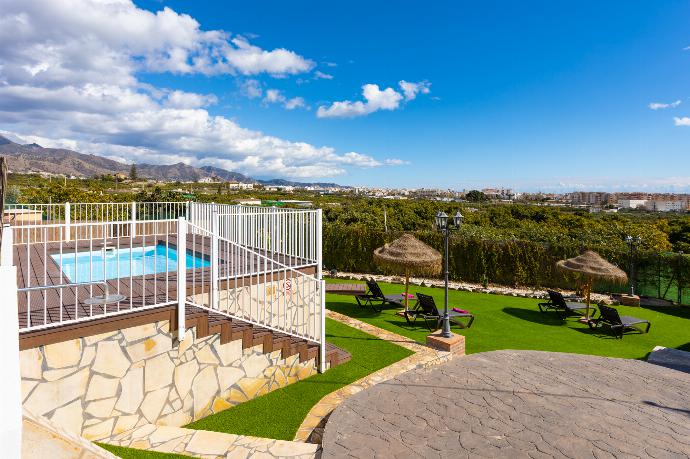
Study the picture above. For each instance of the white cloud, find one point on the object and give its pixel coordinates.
(319, 75)
(375, 99)
(181, 99)
(684, 121)
(274, 96)
(69, 78)
(251, 88)
(295, 102)
(412, 89)
(396, 162)
(85, 40)
(661, 106)
(250, 59)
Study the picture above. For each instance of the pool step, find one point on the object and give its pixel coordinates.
(209, 323)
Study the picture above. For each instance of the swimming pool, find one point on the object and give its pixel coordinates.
(122, 262)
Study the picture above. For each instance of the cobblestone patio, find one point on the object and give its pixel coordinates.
(518, 404)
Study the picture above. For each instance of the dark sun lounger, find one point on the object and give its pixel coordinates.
(557, 303)
(617, 323)
(427, 310)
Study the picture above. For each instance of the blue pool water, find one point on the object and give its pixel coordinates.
(122, 262)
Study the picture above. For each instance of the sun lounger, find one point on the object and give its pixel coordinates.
(617, 323)
(558, 303)
(427, 310)
(373, 297)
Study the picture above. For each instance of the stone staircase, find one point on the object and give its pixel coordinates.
(209, 323)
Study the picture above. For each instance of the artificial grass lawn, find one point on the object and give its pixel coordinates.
(130, 453)
(506, 322)
(280, 413)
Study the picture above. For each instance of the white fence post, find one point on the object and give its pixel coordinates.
(11, 405)
(215, 300)
(6, 256)
(322, 344)
(68, 221)
(319, 244)
(181, 276)
(133, 217)
(322, 284)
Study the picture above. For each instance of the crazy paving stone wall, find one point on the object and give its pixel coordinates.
(100, 386)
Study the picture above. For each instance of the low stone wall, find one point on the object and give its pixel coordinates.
(101, 386)
(492, 289)
(40, 438)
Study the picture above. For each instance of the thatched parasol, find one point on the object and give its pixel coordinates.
(591, 265)
(408, 255)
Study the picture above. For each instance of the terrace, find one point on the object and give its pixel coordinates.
(112, 299)
(77, 263)
(131, 313)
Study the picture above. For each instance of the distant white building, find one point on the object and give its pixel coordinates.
(660, 205)
(632, 203)
(249, 202)
(208, 180)
(285, 188)
(240, 186)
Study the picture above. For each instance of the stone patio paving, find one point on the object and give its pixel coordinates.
(518, 404)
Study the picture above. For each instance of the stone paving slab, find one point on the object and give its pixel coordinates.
(518, 404)
(212, 445)
(670, 358)
(311, 429)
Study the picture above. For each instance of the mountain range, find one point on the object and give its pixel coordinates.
(27, 158)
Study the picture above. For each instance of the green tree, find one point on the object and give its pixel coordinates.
(476, 196)
(679, 235)
(133, 172)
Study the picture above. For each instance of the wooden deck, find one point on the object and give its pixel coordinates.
(35, 267)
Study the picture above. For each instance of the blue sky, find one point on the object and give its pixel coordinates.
(537, 95)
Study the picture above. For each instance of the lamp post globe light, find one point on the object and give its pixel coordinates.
(445, 227)
(632, 242)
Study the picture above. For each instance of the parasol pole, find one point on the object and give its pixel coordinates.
(407, 287)
(588, 292)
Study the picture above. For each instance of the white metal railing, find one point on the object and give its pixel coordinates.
(291, 232)
(257, 288)
(162, 262)
(83, 212)
(58, 278)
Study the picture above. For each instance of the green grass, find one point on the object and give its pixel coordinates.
(505, 322)
(280, 413)
(502, 322)
(130, 453)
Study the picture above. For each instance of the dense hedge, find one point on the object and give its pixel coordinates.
(507, 262)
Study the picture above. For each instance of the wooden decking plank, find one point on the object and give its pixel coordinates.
(42, 269)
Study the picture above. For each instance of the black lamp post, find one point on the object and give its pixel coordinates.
(632, 242)
(443, 225)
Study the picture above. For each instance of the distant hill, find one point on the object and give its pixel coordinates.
(35, 158)
(283, 182)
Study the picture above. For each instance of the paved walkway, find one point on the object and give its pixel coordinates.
(519, 404)
(311, 429)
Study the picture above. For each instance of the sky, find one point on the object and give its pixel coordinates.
(533, 95)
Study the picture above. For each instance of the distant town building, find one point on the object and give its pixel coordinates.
(499, 193)
(661, 205)
(632, 203)
(285, 188)
(249, 202)
(591, 198)
(240, 186)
